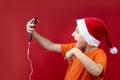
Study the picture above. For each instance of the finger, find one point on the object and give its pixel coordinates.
(30, 25)
(65, 58)
(68, 61)
(30, 32)
(31, 29)
(29, 22)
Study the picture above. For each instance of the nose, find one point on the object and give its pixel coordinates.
(73, 34)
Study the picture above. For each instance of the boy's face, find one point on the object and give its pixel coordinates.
(77, 37)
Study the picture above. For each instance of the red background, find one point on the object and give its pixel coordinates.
(57, 21)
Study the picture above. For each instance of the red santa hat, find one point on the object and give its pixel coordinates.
(93, 30)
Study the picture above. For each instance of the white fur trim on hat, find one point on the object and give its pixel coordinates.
(113, 50)
(86, 35)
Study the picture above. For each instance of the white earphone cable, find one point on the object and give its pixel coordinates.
(28, 57)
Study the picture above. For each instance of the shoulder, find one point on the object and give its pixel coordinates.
(97, 54)
(66, 47)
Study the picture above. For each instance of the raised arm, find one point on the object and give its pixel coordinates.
(44, 42)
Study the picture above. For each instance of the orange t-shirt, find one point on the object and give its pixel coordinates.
(77, 71)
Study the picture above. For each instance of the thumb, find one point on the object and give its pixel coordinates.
(65, 58)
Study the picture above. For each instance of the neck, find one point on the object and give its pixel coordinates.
(88, 48)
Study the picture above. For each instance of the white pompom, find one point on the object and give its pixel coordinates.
(113, 50)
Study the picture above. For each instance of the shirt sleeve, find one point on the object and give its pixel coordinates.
(66, 47)
(101, 58)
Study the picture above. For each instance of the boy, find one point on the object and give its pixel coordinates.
(86, 60)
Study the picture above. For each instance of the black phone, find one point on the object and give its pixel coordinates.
(34, 21)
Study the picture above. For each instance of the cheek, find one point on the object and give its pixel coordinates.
(78, 37)
(80, 44)
(80, 41)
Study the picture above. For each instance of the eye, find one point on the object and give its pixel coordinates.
(77, 31)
